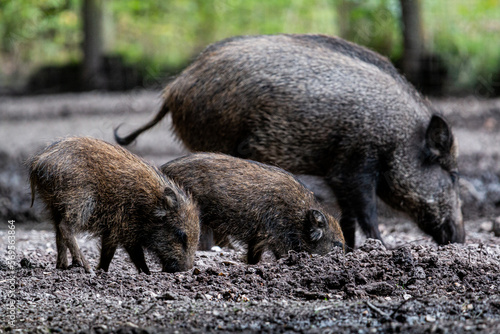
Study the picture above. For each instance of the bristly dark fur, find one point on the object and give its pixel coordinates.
(319, 105)
(262, 206)
(91, 186)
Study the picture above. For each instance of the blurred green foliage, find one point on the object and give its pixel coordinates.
(33, 32)
(373, 23)
(161, 35)
(466, 33)
(172, 32)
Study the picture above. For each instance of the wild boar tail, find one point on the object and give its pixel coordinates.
(131, 137)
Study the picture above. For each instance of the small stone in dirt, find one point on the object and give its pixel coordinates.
(467, 307)
(229, 263)
(25, 263)
(196, 271)
(250, 271)
(430, 318)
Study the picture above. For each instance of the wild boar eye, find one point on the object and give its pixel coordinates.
(454, 175)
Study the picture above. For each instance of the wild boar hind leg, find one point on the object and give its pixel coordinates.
(62, 250)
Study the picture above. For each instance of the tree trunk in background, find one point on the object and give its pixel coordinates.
(344, 8)
(412, 39)
(92, 13)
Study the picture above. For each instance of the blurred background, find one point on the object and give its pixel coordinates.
(48, 46)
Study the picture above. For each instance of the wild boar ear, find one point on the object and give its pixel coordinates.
(438, 137)
(318, 223)
(170, 198)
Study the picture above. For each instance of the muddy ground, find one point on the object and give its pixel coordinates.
(413, 286)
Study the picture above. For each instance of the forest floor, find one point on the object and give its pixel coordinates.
(412, 286)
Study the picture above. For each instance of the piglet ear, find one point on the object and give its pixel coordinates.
(318, 223)
(170, 197)
(438, 137)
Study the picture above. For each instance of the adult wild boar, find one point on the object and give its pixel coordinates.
(319, 105)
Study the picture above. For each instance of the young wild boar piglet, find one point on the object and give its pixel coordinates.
(262, 206)
(89, 185)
